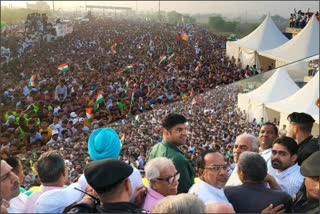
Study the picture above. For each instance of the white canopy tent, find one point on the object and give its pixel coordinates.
(303, 45)
(277, 87)
(301, 101)
(264, 37)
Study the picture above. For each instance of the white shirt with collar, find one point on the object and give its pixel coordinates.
(234, 179)
(266, 154)
(208, 193)
(17, 204)
(290, 180)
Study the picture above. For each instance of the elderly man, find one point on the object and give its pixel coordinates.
(244, 142)
(174, 135)
(110, 181)
(247, 142)
(9, 182)
(252, 196)
(213, 172)
(307, 200)
(163, 181)
(300, 130)
(283, 159)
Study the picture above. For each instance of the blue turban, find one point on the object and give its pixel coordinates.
(104, 143)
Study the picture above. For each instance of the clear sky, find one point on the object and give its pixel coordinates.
(252, 9)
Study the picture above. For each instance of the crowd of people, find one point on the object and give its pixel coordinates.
(127, 76)
(300, 19)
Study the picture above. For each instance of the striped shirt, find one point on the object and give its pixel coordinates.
(290, 180)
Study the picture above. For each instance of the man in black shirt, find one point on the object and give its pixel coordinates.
(300, 130)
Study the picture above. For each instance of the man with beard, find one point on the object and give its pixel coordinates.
(300, 130)
(9, 182)
(174, 135)
(213, 172)
(283, 159)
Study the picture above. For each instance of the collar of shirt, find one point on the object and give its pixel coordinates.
(292, 170)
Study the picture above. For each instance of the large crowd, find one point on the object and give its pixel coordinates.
(126, 75)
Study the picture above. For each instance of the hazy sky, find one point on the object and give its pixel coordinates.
(230, 8)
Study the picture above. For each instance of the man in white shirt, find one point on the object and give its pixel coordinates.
(213, 172)
(267, 134)
(284, 160)
(53, 174)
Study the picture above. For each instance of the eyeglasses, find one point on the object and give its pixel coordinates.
(218, 167)
(170, 179)
(179, 130)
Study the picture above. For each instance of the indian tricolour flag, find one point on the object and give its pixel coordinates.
(163, 59)
(32, 81)
(129, 67)
(89, 114)
(99, 100)
(63, 67)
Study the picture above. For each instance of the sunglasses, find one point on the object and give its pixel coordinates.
(218, 167)
(170, 179)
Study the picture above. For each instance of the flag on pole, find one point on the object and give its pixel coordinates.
(63, 67)
(89, 114)
(127, 83)
(132, 97)
(171, 56)
(129, 67)
(163, 59)
(99, 100)
(32, 81)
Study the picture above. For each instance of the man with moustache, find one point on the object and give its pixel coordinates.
(284, 160)
(213, 172)
(9, 182)
(174, 135)
(267, 134)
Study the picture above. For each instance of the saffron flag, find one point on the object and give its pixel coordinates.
(32, 81)
(184, 36)
(99, 100)
(63, 67)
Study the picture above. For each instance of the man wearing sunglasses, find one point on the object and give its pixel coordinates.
(174, 135)
(163, 181)
(213, 172)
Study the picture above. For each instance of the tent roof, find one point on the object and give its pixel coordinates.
(303, 45)
(301, 101)
(264, 37)
(277, 87)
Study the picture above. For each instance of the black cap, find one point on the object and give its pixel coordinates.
(104, 174)
(310, 167)
(302, 118)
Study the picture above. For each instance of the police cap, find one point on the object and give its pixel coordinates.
(104, 174)
(310, 167)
